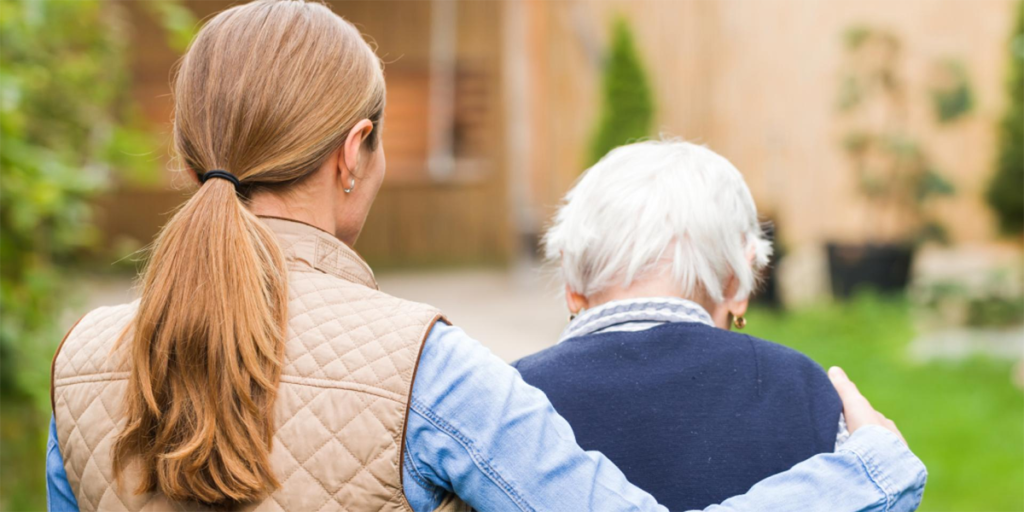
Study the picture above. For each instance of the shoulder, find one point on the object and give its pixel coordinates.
(791, 376)
(450, 354)
(323, 307)
(770, 355)
(780, 370)
(559, 355)
(537, 358)
(97, 328)
(344, 331)
(104, 319)
(89, 344)
(455, 368)
(447, 344)
(312, 290)
(779, 357)
(784, 369)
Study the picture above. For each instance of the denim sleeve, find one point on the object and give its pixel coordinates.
(59, 497)
(476, 429)
(872, 471)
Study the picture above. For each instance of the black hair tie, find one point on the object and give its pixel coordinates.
(217, 173)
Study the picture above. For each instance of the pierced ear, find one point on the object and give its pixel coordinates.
(739, 307)
(350, 150)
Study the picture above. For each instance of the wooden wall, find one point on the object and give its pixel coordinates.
(758, 81)
(417, 219)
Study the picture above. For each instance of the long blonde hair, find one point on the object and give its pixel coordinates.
(266, 91)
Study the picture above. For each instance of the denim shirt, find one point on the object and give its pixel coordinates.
(476, 429)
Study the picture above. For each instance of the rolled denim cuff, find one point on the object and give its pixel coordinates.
(890, 464)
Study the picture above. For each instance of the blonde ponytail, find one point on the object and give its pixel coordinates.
(206, 354)
(266, 91)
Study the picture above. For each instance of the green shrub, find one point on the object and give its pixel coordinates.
(67, 126)
(953, 98)
(64, 75)
(627, 107)
(1006, 192)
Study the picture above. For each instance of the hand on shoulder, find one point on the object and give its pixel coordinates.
(857, 409)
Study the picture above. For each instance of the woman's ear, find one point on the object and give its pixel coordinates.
(739, 307)
(350, 151)
(574, 301)
(736, 307)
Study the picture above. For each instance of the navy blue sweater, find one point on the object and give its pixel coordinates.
(690, 413)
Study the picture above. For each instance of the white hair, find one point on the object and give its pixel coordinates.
(654, 202)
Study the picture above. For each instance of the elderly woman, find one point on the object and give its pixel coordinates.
(660, 248)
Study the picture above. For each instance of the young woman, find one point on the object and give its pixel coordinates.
(263, 370)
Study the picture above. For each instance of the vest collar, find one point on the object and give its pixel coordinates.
(311, 247)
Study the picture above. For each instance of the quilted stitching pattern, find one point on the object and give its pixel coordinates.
(349, 360)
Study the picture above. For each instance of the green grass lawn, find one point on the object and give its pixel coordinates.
(965, 419)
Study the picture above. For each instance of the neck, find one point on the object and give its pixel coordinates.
(640, 290)
(652, 288)
(270, 204)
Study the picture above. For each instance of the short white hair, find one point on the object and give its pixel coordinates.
(647, 203)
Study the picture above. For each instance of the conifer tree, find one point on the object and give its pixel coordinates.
(1006, 192)
(627, 107)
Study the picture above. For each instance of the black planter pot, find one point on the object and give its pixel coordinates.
(882, 267)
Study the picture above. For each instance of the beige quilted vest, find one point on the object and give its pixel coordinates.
(350, 358)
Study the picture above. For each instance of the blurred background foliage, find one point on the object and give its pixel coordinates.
(952, 97)
(69, 130)
(893, 168)
(627, 103)
(1004, 193)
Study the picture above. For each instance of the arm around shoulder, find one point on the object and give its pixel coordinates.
(478, 430)
(873, 472)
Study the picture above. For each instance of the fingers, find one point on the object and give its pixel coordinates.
(891, 426)
(856, 408)
(844, 386)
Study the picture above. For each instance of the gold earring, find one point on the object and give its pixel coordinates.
(739, 322)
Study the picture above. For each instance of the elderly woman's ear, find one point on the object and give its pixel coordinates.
(575, 302)
(739, 319)
(730, 313)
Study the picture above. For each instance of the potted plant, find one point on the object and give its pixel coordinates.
(894, 173)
